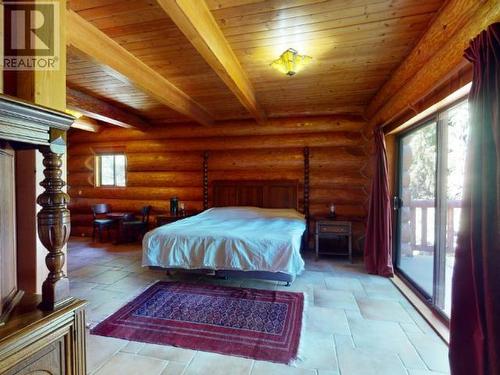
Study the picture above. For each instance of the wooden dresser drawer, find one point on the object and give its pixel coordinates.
(335, 228)
(48, 360)
(35, 342)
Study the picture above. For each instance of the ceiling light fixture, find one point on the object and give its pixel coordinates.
(290, 62)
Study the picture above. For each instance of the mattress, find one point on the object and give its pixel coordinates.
(230, 238)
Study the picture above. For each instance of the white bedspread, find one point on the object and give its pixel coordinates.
(229, 238)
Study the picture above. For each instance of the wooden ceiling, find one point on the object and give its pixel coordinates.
(355, 45)
(85, 75)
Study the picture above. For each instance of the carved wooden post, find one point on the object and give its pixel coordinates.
(53, 229)
(205, 180)
(306, 193)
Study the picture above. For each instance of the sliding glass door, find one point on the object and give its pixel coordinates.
(417, 203)
(455, 123)
(430, 188)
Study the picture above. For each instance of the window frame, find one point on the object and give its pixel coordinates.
(98, 170)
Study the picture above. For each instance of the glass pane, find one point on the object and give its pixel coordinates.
(120, 170)
(458, 130)
(417, 212)
(107, 170)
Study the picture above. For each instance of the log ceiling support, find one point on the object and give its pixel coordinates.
(87, 124)
(88, 39)
(205, 180)
(306, 182)
(197, 23)
(100, 110)
(306, 196)
(433, 59)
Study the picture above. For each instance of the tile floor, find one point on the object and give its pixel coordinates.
(356, 324)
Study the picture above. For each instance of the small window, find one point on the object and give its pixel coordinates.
(110, 169)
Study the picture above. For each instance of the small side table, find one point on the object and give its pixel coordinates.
(118, 218)
(327, 228)
(170, 218)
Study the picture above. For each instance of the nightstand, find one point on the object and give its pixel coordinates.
(170, 218)
(339, 232)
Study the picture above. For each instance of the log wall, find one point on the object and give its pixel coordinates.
(168, 161)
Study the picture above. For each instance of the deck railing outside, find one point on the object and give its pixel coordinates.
(422, 224)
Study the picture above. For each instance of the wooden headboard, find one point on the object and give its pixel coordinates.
(259, 193)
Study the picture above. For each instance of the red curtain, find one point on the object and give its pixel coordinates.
(378, 240)
(475, 314)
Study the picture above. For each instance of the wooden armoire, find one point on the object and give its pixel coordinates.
(39, 334)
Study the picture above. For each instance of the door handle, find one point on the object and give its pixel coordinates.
(397, 203)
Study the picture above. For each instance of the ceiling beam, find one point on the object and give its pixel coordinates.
(87, 124)
(197, 23)
(88, 39)
(100, 110)
(438, 54)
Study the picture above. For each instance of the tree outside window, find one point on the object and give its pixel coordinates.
(110, 170)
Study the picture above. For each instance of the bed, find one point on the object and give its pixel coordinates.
(254, 230)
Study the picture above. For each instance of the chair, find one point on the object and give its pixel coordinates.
(133, 228)
(100, 222)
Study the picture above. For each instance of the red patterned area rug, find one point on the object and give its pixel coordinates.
(251, 323)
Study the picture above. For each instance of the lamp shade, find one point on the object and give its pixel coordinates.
(290, 62)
